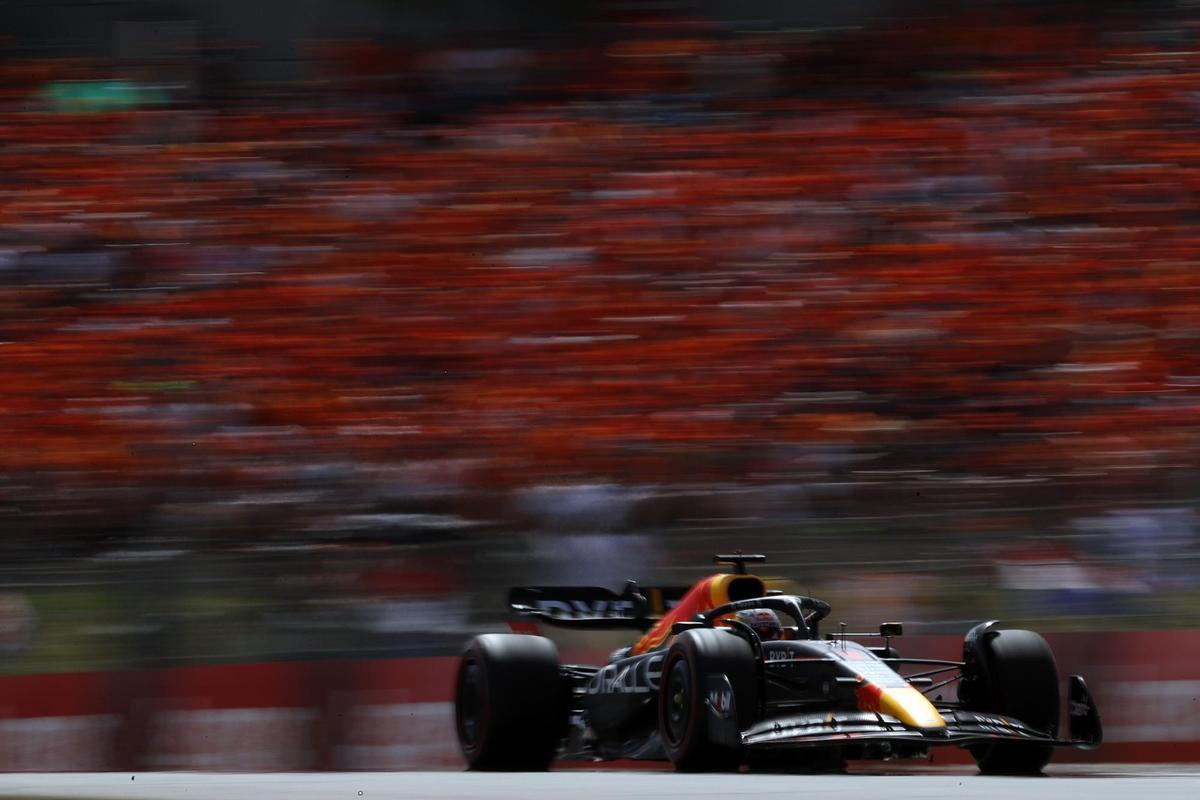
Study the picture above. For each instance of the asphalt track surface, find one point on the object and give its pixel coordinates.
(1114, 782)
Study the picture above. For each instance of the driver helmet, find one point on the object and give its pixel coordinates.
(764, 621)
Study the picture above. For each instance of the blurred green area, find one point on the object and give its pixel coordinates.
(82, 97)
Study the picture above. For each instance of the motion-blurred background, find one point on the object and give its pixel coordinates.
(321, 323)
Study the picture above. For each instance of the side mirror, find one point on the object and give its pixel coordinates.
(887, 629)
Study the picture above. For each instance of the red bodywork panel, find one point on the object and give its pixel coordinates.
(711, 592)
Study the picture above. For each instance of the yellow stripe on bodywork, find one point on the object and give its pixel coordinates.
(910, 707)
(718, 589)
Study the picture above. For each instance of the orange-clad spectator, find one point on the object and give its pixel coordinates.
(969, 252)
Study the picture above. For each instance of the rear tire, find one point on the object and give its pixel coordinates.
(685, 716)
(509, 705)
(1019, 679)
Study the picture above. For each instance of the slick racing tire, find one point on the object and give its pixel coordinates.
(510, 708)
(1019, 679)
(705, 669)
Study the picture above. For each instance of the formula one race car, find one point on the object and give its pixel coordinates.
(718, 679)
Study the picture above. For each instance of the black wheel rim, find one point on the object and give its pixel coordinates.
(470, 691)
(678, 700)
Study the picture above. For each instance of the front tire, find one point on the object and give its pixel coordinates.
(1018, 678)
(686, 716)
(509, 706)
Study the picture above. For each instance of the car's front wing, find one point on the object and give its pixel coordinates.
(848, 727)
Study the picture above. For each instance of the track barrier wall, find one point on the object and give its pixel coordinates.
(396, 714)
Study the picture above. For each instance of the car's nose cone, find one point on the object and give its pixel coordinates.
(903, 702)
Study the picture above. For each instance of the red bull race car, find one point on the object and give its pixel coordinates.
(727, 672)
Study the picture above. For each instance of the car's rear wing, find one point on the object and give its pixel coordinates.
(594, 606)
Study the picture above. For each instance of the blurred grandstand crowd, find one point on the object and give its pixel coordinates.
(942, 271)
